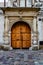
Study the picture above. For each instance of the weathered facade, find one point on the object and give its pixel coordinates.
(24, 21)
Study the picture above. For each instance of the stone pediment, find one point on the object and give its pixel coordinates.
(13, 15)
(20, 11)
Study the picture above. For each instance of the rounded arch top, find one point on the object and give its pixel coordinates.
(20, 22)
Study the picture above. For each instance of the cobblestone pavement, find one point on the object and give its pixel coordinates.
(21, 57)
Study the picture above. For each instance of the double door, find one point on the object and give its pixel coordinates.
(21, 36)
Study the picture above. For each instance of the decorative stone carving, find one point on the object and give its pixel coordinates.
(14, 16)
(6, 29)
(35, 34)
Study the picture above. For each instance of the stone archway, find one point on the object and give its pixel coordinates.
(20, 35)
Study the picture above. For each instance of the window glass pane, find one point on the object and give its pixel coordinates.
(22, 3)
(41, 0)
(36, 0)
(1, 0)
(28, 3)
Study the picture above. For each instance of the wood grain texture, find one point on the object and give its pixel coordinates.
(21, 36)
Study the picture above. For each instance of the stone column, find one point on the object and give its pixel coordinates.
(34, 24)
(35, 33)
(9, 3)
(18, 3)
(6, 24)
(10, 48)
(33, 2)
(6, 29)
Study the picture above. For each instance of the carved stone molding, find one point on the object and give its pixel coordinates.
(12, 16)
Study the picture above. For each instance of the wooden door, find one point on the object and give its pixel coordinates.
(20, 35)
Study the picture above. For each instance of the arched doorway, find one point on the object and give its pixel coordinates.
(20, 35)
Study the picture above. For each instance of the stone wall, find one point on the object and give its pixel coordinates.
(40, 29)
(1, 28)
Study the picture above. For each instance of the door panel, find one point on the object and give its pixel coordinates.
(26, 37)
(18, 44)
(21, 36)
(13, 44)
(24, 44)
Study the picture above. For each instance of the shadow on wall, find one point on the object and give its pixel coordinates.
(41, 42)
